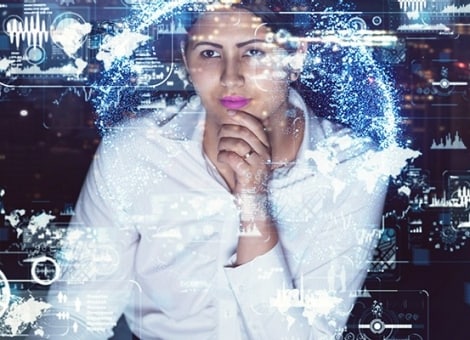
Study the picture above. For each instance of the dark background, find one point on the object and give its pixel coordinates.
(44, 157)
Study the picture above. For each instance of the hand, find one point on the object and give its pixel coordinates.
(244, 146)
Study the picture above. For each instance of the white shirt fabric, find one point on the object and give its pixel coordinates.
(155, 233)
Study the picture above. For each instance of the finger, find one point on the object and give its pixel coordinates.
(236, 145)
(243, 170)
(249, 157)
(247, 176)
(251, 123)
(241, 140)
(244, 150)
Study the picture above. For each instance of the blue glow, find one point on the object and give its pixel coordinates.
(343, 80)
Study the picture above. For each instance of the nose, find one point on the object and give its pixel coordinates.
(232, 74)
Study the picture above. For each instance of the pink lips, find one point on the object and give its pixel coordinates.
(234, 102)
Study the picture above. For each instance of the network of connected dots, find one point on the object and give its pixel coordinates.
(342, 79)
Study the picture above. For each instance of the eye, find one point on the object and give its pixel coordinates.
(210, 54)
(254, 52)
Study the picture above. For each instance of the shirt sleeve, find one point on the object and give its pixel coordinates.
(306, 286)
(256, 285)
(96, 261)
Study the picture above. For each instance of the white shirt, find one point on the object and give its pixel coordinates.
(156, 229)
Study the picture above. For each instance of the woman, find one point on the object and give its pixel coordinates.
(244, 217)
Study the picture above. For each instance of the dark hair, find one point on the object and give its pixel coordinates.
(276, 14)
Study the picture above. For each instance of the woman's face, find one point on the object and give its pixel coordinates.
(234, 65)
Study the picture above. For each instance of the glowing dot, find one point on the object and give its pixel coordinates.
(377, 326)
(24, 113)
(269, 37)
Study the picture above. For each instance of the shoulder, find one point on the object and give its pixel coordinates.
(329, 145)
(148, 147)
(121, 160)
(133, 152)
(132, 160)
(328, 137)
(336, 141)
(336, 149)
(155, 132)
(128, 141)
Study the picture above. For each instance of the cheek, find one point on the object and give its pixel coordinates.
(202, 79)
(273, 77)
(271, 99)
(268, 70)
(272, 82)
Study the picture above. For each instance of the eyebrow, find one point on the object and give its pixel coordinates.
(239, 45)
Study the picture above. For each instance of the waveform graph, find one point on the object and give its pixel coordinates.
(412, 5)
(45, 46)
(450, 142)
(44, 270)
(12, 26)
(458, 186)
(458, 190)
(432, 17)
(437, 6)
(31, 30)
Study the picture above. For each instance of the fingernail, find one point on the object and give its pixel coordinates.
(231, 112)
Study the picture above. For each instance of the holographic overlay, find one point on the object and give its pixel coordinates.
(340, 73)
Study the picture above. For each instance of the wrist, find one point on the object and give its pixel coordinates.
(252, 205)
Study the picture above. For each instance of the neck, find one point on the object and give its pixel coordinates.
(285, 135)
